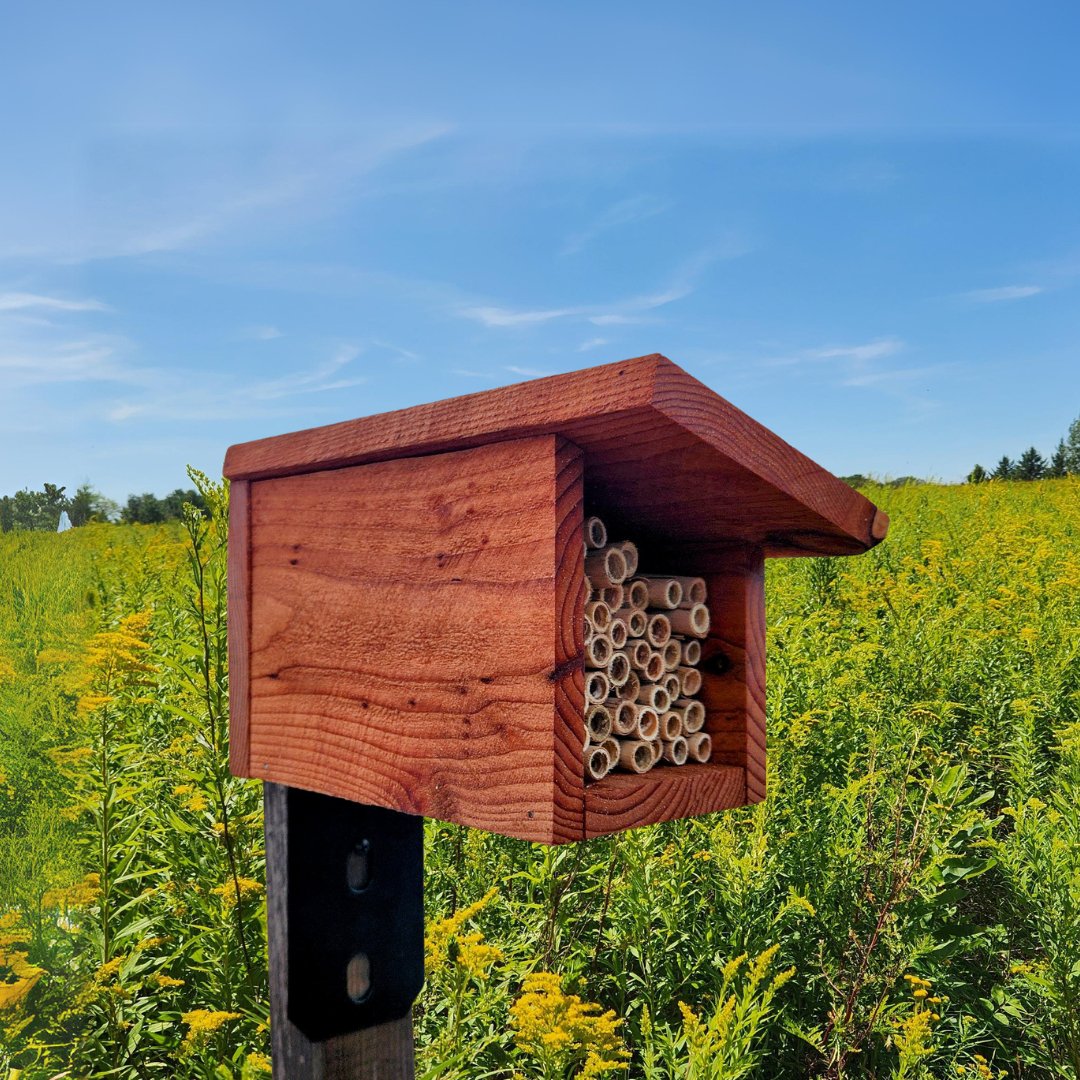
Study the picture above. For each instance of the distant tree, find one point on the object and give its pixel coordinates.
(1031, 466)
(1005, 469)
(88, 505)
(148, 509)
(37, 509)
(1072, 448)
(7, 514)
(144, 509)
(1058, 462)
(856, 480)
(977, 475)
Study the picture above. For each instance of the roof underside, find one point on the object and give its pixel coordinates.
(665, 456)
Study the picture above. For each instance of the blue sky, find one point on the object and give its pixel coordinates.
(859, 223)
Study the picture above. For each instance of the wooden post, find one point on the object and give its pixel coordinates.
(384, 1052)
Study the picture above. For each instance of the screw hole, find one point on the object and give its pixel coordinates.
(358, 868)
(358, 978)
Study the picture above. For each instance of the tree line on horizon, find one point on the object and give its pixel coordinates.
(1031, 465)
(40, 511)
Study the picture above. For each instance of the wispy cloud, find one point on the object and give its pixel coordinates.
(872, 350)
(261, 333)
(527, 372)
(1003, 292)
(626, 212)
(23, 301)
(632, 309)
(319, 379)
(592, 343)
(209, 194)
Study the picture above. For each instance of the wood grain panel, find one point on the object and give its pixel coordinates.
(405, 645)
(663, 451)
(569, 734)
(624, 801)
(733, 664)
(239, 615)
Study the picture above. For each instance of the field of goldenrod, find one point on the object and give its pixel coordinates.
(906, 903)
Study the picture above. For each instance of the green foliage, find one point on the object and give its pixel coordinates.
(147, 509)
(905, 903)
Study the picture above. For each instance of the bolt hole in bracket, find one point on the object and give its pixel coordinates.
(355, 914)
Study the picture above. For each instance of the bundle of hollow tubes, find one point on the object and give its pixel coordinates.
(642, 649)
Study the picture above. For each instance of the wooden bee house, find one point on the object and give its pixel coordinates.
(407, 593)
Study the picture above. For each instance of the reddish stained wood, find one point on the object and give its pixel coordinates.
(661, 447)
(733, 664)
(239, 597)
(624, 801)
(570, 590)
(412, 642)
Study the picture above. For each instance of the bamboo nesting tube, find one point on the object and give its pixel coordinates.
(693, 714)
(598, 762)
(636, 756)
(654, 696)
(597, 723)
(700, 747)
(631, 688)
(654, 669)
(612, 595)
(623, 717)
(595, 533)
(634, 619)
(597, 687)
(672, 653)
(639, 652)
(642, 649)
(618, 669)
(663, 592)
(648, 723)
(598, 614)
(598, 652)
(611, 747)
(673, 685)
(671, 725)
(676, 751)
(693, 590)
(693, 621)
(637, 594)
(617, 634)
(630, 554)
(690, 679)
(605, 567)
(659, 627)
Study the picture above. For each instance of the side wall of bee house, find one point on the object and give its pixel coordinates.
(412, 635)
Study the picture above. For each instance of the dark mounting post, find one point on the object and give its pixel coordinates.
(346, 928)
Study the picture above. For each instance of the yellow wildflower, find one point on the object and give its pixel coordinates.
(560, 1029)
(202, 1023)
(197, 803)
(78, 895)
(17, 975)
(256, 1062)
(444, 943)
(240, 888)
(167, 981)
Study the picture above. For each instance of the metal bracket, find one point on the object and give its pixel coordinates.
(355, 914)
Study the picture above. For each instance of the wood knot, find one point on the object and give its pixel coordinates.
(566, 668)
